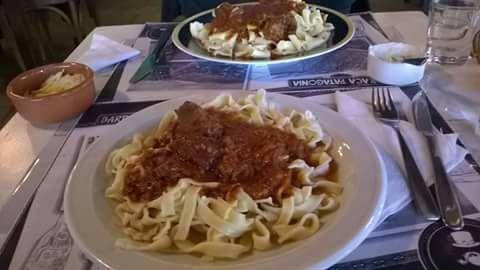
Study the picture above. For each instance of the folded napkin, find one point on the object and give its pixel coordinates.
(104, 52)
(385, 139)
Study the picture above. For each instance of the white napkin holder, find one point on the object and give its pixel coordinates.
(381, 69)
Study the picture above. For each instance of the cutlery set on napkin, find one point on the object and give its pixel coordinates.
(104, 52)
(422, 141)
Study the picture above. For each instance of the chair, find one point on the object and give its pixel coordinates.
(21, 33)
(7, 38)
(70, 11)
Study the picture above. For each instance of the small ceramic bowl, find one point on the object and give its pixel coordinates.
(53, 108)
(394, 73)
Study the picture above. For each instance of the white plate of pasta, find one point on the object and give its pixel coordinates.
(231, 181)
(263, 32)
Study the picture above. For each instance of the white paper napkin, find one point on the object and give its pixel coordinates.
(104, 52)
(386, 141)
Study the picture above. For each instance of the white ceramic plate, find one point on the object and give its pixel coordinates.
(341, 35)
(91, 220)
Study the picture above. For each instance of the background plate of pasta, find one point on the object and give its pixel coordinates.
(230, 181)
(263, 32)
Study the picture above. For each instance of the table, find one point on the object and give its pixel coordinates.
(21, 142)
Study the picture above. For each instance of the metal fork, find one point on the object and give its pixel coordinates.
(385, 111)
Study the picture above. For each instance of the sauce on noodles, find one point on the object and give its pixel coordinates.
(213, 146)
(271, 17)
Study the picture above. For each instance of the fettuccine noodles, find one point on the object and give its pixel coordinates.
(185, 221)
(269, 29)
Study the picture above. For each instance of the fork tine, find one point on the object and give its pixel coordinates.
(390, 99)
(374, 102)
(385, 105)
(379, 98)
(380, 101)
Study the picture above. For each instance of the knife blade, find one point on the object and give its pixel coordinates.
(148, 65)
(446, 197)
(16, 205)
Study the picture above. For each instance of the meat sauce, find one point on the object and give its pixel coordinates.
(213, 146)
(271, 17)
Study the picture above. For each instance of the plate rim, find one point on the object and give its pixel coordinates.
(366, 226)
(176, 41)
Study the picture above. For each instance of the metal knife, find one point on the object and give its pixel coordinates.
(153, 59)
(17, 203)
(447, 200)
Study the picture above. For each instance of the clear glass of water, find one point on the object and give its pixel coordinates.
(451, 29)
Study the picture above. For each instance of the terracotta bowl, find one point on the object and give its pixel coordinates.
(56, 107)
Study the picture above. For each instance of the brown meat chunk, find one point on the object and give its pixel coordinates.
(213, 146)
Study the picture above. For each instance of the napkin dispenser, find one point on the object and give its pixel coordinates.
(385, 63)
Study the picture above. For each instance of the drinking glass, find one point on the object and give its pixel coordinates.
(450, 30)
